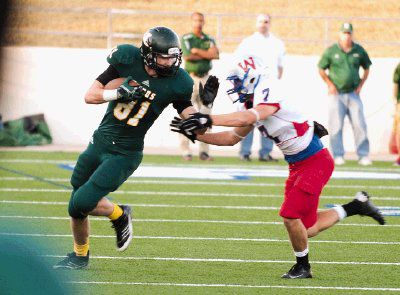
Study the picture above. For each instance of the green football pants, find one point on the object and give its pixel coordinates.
(98, 172)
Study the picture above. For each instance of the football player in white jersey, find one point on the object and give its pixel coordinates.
(310, 164)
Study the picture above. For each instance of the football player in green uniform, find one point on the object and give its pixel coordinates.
(152, 79)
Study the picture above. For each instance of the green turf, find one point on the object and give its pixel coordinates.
(181, 230)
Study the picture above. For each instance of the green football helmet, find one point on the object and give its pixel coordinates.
(164, 42)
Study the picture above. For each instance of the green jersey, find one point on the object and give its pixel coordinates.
(189, 41)
(396, 80)
(344, 66)
(124, 125)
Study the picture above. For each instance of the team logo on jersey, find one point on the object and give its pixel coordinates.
(146, 82)
(356, 55)
(266, 92)
(337, 56)
(247, 63)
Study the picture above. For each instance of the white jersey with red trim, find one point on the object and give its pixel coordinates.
(289, 128)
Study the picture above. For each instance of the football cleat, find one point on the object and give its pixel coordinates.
(123, 228)
(369, 209)
(298, 271)
(73, 262)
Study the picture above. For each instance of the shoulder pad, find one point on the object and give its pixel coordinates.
(123, 54)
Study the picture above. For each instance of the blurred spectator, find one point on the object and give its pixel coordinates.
(198, 51)
(343, 60)
(395, 140)
(272, 51)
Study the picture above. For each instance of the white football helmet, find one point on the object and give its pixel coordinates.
(245, 76)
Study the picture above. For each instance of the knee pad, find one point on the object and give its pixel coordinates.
(85, 199)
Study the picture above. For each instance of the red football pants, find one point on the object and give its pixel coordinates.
(303, 187)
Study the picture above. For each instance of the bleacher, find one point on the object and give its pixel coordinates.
(306, 31)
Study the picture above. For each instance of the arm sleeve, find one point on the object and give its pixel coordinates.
(396, 76)
(184, 94)
(324, 62)
(180, 105)
(365, 62)
(109, 74)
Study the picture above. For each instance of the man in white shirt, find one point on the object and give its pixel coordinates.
(271, 50)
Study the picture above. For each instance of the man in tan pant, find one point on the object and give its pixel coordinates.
(198, 51)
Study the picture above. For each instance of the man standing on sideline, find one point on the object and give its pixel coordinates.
(271, 50)
(198, 51)
(343, 60)
(396, 123)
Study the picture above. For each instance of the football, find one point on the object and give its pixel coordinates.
(114, 84)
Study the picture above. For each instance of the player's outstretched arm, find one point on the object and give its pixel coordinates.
(186, 114)
(225, 138)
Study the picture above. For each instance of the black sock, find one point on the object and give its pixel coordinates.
(352, 208)
(303, 260)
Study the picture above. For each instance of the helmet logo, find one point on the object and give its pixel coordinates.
(147, 39)
(173, 50)
(247, 64)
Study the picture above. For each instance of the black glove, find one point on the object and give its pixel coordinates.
(319, 129)
(128, 93)
(196, 121)
(176, 125)
(209, 91)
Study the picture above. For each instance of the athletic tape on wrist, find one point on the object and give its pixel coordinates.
(109, 95)
(235, 133)
(255, 112)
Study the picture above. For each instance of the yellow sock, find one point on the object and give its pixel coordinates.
(81, 250)
(117, 212)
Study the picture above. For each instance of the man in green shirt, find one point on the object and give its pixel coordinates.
(154, 81)
(396, 123)
(343, 61)
(198, 51)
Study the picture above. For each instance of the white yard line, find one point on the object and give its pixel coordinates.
(153, 205)
(184, 194)
(259, 240)
(185, 165)
(191, 221)
(208, 183)
(231, 260)
(168, 284)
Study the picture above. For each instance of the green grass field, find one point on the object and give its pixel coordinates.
(203, 236)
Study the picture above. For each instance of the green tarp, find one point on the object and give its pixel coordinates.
(30, 130)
